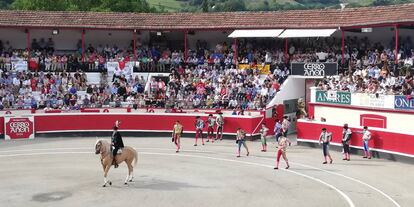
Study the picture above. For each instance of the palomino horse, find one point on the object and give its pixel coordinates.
(128, 156)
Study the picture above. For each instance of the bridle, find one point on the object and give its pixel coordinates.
(98, 150)
(98, 147)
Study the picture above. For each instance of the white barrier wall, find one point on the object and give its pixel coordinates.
(393, 112)
(396, 122)
(292, 88)
(377, 101)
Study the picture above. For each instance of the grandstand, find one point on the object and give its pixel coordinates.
(332, 78)
(242, 61)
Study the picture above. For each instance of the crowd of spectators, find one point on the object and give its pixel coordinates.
(206, 78)
(372, 68)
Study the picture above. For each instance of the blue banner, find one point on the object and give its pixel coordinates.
(402, 102)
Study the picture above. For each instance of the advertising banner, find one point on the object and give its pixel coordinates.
(120, 68)
(19, 127)
(333, 97)
(404, 102)
(314, 69)
(263, 69)
(373, 100)
(19, 66)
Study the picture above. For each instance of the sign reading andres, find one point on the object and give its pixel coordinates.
(314, 69)
(333, 97)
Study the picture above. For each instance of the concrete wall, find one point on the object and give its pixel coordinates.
(16, 37)
(65, 40)
(211, 37)
(122, 39)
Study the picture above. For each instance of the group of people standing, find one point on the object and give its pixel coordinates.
(326, 137)
(199, 125)
(280, 130)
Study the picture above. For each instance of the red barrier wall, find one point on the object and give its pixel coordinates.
(134, 122)
(381, 139)
(1, 125)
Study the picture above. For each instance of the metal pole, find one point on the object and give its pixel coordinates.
(185, 46)
(134, 47)
(396, 43)
(83, 45)
(286, 51)
(235, 51)
(343, 47)
(28, 41)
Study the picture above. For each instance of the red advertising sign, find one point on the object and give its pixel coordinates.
(19, 128)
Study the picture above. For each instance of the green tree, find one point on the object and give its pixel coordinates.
(205, 5)
(84, 5)
(383, 2)
(5, 4)
(233, 5)
(124, 6)
(49, 5)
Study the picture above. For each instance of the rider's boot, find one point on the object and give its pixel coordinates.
(114, 163)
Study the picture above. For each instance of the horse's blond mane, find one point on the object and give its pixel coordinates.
(105, 146)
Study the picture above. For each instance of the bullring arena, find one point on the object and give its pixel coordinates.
(66, 172)
(295, 84)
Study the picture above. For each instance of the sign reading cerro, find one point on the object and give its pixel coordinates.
(333, 97)
(19, 128)
(314, 69)
(404, 102)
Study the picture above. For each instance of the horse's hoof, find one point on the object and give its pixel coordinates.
(125, 183)
(104, 186)
(130, 180)
(110, 183)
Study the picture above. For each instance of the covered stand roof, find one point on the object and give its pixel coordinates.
(256, 33)
(289, 33)
(295, 19)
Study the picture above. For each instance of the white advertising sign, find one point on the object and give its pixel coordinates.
(116, 68)
(373, 100)
(19, 65)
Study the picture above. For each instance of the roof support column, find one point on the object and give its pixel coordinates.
(28, 41)
(235, 55)
(286, 51)
(83, 45)
(134, 44)
(185, 46)
(396, 44)
(343, 46)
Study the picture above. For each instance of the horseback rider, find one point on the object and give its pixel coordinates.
(117, 143)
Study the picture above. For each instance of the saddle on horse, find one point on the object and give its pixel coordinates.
(115, 152)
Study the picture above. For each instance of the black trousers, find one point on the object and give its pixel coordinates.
(115, 151)
(346, 147)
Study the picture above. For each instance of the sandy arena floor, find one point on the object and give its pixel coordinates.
(66, 172)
